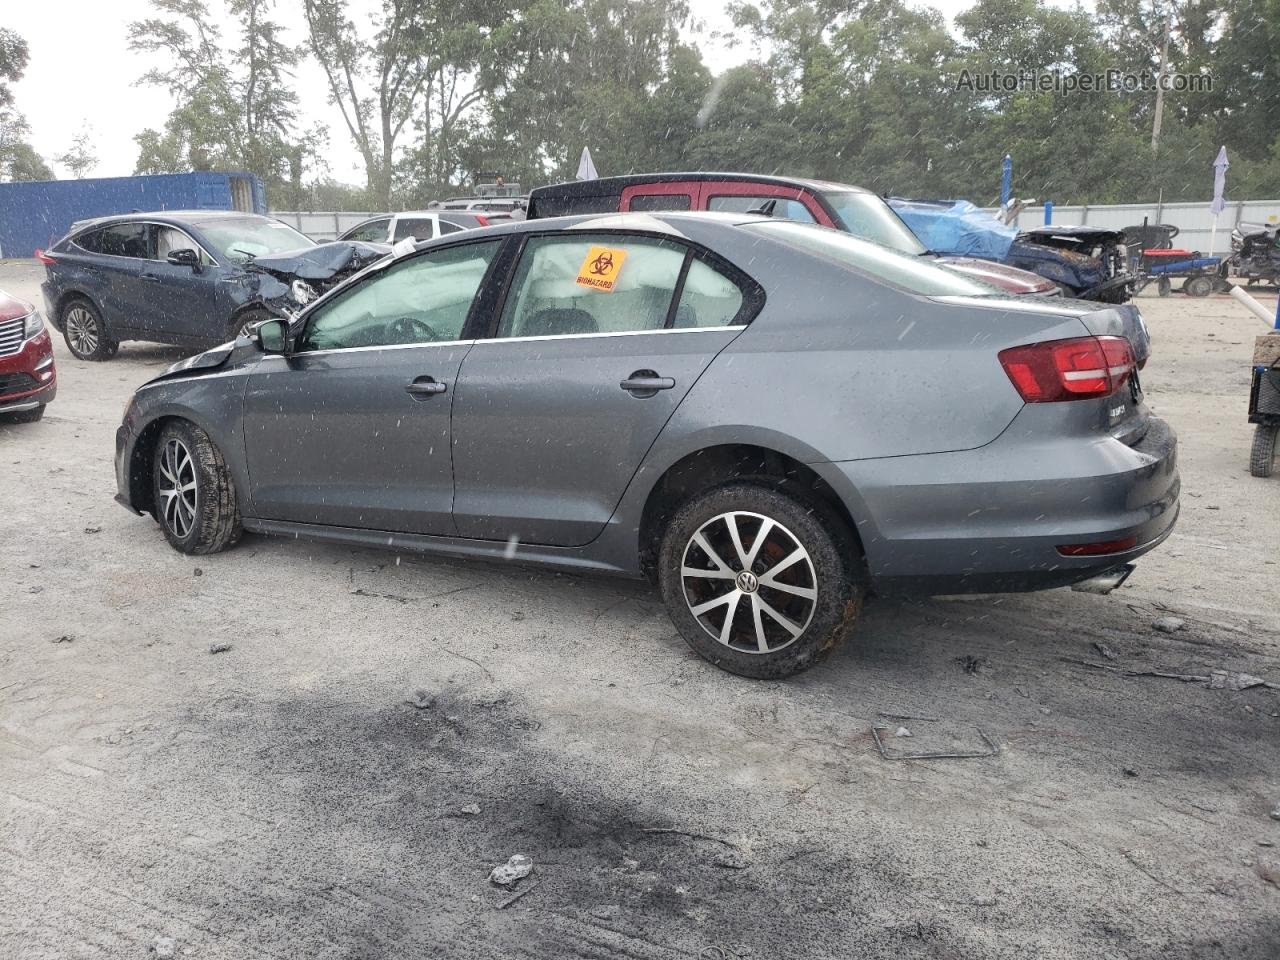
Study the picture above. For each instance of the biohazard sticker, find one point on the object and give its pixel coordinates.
(600, 269)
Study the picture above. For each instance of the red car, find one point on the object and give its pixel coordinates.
(837, 205)
(28, 380)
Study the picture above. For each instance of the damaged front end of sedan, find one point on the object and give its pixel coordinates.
(289, 281)
(1090, 263)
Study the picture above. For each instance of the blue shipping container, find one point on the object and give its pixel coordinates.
(34, 215)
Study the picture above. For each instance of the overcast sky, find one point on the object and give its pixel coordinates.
(82, 75)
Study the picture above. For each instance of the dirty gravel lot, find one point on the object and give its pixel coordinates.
(301, 794)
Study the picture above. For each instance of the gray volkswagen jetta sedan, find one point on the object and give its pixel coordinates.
(768, 419)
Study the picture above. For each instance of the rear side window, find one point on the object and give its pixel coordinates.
(120, 240)
(709, 298)
(422, 300)
(591, 284)
(661, 201)
(447, 227)
(915, 273)
(782, 208)
(417, 228)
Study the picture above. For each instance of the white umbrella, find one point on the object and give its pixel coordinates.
(587, 169)
(1219, 204)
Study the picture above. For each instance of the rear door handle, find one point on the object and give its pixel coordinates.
(645, 383)
(423, 388)
(150, 278)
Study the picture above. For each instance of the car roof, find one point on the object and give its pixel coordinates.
(667, 222)
(176, 217)
(604, 186)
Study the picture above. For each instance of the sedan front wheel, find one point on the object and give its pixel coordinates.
(193, 493)
(762, 581)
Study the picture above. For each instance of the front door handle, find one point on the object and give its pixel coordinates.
(424, 388)
(646, 383)
(150, 278)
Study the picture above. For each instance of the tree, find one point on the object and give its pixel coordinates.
(236, 105)
(80, 158)
(18, 159)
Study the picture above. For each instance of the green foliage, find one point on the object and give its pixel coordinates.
(18, 159)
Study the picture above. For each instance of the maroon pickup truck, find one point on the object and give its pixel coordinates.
(837, 205)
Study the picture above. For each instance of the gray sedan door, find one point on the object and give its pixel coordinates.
(592, 355)
(353, 428)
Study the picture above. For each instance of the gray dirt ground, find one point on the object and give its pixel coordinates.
(284, 799)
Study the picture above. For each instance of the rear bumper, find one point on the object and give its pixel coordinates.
(991, 519)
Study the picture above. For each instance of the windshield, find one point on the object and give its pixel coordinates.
(866, 215)
(918, 275)
(240, 240)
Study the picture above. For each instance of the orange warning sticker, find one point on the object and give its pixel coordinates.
(600, 269)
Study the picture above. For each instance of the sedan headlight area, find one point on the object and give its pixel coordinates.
(302, 292)
(32, 324)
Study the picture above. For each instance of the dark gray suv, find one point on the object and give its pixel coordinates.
(767, 418)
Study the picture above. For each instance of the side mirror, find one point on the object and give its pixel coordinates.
(270, 335)
(185, 257)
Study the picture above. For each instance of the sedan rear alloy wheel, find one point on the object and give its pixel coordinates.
(761, 577)
(749, 582)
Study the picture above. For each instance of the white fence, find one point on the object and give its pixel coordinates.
(321, 225)
(1193, 220)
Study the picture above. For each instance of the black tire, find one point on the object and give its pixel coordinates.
(1262, 456)
(831, 569)
(246, 319)
(1198, 286)
(85, 331)
(209, 520)
(23, 416)
(1163, 287)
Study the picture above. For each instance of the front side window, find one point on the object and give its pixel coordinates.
(782, 207)
(240, 240)
(591, 284)
(422, 300)
(375, 231)
(415, 227)
(169, 239)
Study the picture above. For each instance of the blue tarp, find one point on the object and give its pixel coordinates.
(956, 227)
(34, 215)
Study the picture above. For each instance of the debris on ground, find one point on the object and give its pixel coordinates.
(1275, 814)
(198, 572)
(219, 647)
(1103, 650)
(92, 529)
(1168, 624)
(512, 872)
(902, 732)
(421, 700)
(503, 904)
(972, 664)
(471, 809)
(65, 638)
(1216, 679)
(1129, 771)
(164, 948)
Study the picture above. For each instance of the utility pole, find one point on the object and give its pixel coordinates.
(1164, 57)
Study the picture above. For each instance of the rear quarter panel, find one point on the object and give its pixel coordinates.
(838, 366)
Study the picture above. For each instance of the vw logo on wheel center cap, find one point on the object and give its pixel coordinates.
(747, 582)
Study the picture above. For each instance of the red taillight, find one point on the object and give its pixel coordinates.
(1099, 548)
(482, 219)
(45, 258)
(1068, 369)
